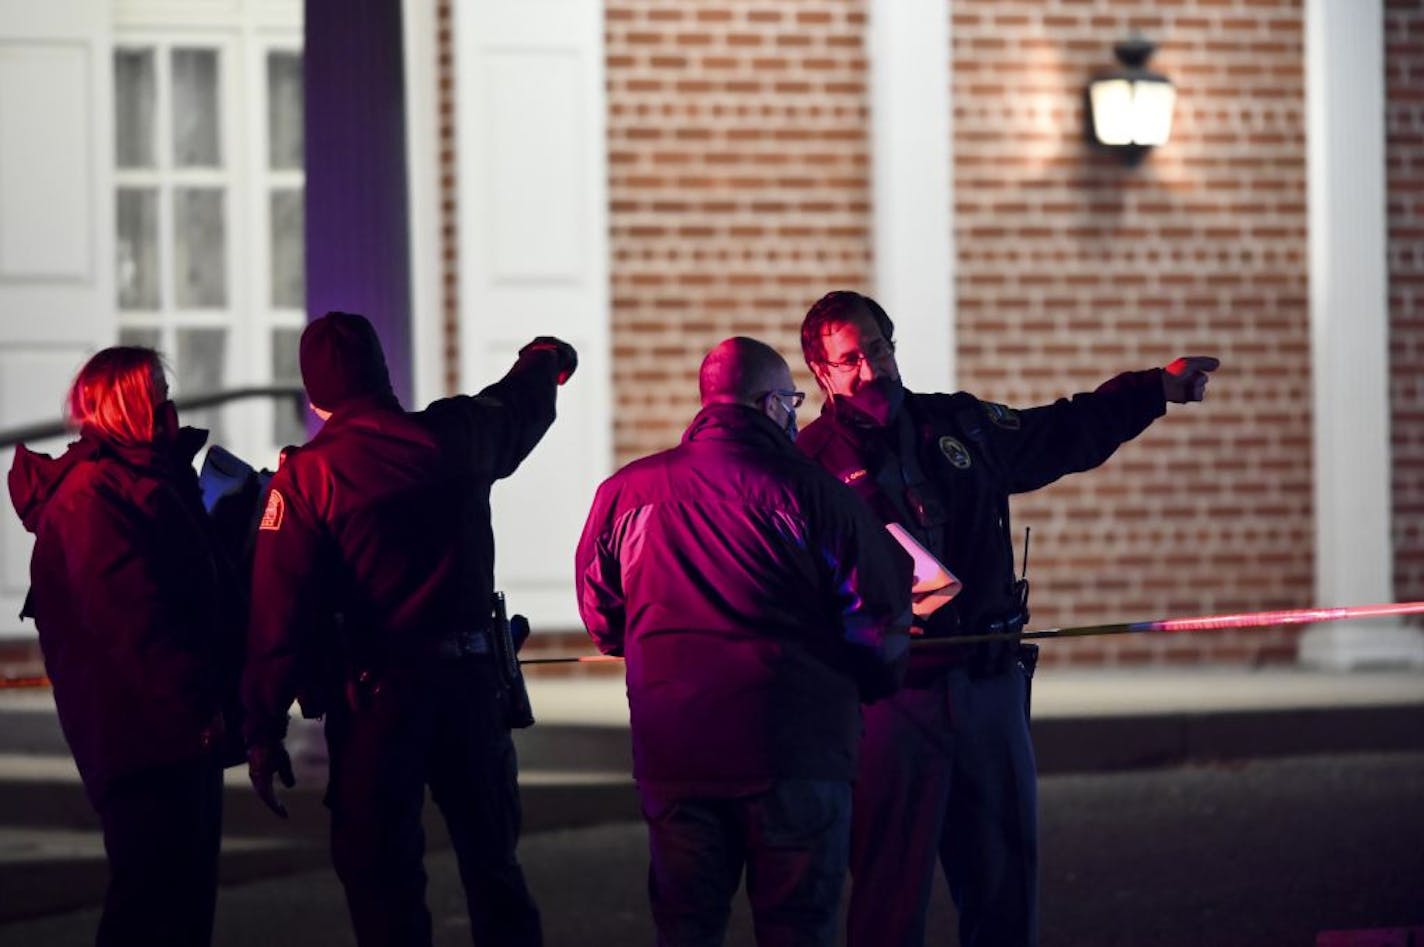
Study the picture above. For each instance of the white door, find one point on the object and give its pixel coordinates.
(534, 261)
(56, 228)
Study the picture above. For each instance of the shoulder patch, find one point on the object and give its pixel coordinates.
(955, 452)
(854, 475)
(1001, 414)
(272, 515)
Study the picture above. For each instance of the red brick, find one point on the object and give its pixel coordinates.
(1071, 267)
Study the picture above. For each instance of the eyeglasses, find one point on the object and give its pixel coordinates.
(879, 351)
(790, 400)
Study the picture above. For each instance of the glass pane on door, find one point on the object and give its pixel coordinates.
(195, 109)
(146, 336)
(202, 361)
(199, 248)
(136, 247)
(288, 250)
(289, 421)
(284, 111)
(135, 92)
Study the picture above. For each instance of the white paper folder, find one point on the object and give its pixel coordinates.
(934, 584)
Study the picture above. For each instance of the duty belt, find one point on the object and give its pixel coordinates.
(995, 657)
(1004, 626)
(463, 644)
(981, 660)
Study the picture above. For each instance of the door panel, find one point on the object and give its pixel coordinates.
(56, 227)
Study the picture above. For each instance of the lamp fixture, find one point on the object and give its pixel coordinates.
(1130, 110)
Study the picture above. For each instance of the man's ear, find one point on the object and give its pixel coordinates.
(822, 377)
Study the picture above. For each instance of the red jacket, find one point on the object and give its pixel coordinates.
(383, 519)
(128, 593)
(756, 601)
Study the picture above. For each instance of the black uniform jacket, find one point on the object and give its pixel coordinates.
(128, 594)
(382, 520)
(971, 455)
(756, 601)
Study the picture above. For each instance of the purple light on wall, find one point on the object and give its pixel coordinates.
(357, 225)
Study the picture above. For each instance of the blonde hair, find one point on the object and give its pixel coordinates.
(116, 393)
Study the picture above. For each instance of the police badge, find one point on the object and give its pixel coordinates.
(955, 452)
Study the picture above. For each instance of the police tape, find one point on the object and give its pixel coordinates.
(27, 681)
(1302, 616)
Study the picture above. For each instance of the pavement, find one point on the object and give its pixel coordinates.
(575, 762)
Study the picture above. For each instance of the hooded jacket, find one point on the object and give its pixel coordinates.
(756, 601)
(127, 593)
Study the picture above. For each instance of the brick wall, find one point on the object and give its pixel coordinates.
(739, 187)
(1072, 267)
(1404, 79)
(740, 191)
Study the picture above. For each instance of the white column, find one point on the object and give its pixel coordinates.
(533, 192)
(912, 185)
(423, 195)
(1349, 317)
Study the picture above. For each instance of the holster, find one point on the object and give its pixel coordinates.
(1028, 661)
(518, 713)
(325, 668)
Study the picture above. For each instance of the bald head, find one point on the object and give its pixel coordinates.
(741, 371)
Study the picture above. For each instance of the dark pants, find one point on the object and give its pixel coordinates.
(793, 842)
(946, 775)
(440, 725)
(162, 827)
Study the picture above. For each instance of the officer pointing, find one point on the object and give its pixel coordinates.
(947, 772)
(372, 592)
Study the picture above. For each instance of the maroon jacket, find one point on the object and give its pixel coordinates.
(383, 519)
(128, 593)
(756, 601)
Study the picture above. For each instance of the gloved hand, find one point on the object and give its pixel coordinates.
(1185, 379)
(264, 761)
(568, 358)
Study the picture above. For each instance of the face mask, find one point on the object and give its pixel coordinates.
(874, 403)
(165, 423)
(788, 427)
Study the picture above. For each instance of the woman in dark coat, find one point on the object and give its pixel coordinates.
(129, 596)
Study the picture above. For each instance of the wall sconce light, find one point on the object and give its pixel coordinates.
(1130, 110)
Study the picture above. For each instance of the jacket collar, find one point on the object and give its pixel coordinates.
(155, 458)
(34, 477)
(357, 408)
(861, 435)
(740, 423)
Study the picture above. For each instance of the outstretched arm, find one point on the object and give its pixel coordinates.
(505, 421)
